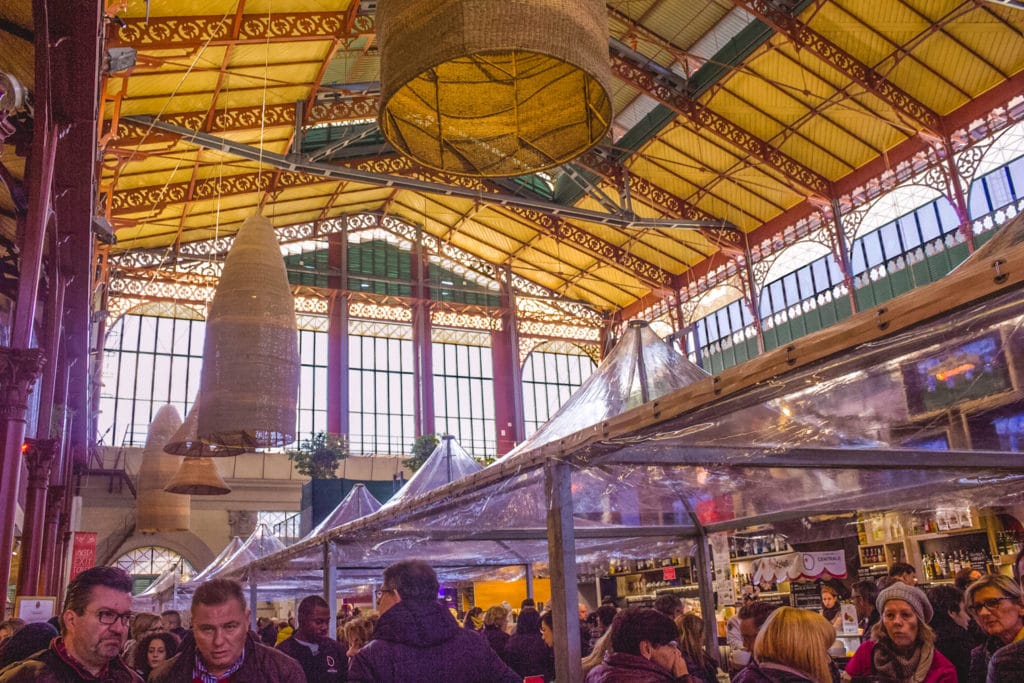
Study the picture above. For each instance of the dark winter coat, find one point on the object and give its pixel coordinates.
(953, 641)
(980, 657)
(262, 665)
(497, 638)
(48, 666)
(752, 673)
(417, 641)
(529, 655)
(328, 665)
(704, 670)
(620, 667)
(1007, 664)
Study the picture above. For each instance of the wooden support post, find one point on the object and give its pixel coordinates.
(331, 590)
(562, 564)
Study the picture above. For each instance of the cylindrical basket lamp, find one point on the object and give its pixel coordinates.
(249, 386)
(186, 440)
(158, 510)
(493, 88)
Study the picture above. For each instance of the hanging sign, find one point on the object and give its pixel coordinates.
(722, 579)
(83, 552)
(828, 564)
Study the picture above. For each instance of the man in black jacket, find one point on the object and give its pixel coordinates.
(221, 646)
(321, 658)
(417, 639)
(97, 607)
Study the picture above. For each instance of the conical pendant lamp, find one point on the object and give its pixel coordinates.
(157, 510)
(249, 385)
(198, 477)
(186, 441)
(490, 88)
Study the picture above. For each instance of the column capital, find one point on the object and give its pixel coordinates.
(39, 455)
(19, 369)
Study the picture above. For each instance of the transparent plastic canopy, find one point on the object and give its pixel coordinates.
(448, 462)
(358, 503)
(869, 422)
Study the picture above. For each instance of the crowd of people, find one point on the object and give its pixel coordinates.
(970, 632)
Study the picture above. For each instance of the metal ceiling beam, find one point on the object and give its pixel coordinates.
(179, 33)
(729, 240)
(809, 457)
(809, 40)
(659, 86)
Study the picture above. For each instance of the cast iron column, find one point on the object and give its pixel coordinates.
(509, 424)
(337, 336)
(39, 455)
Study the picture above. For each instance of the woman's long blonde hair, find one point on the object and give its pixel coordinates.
(799, 639)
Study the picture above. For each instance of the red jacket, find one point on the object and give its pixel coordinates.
(861, 664)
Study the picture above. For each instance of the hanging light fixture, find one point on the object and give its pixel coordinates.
(186, 441)
(486, 88)
(249, 384)
(198, 477)
(157, 510)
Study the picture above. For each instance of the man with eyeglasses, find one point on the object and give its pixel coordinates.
(94, 621)
(864, 595)
(417, 640)
(1007, 663)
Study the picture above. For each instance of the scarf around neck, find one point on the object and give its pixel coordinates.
(911, 668)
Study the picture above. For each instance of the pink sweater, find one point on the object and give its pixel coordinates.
(942, 670)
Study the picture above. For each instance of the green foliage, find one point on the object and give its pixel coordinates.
(422, 447)
(318, 457)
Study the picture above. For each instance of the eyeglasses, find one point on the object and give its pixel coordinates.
(382, 591)
(989, 604)
(107, 617)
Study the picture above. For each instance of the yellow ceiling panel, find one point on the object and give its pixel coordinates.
(250, 56)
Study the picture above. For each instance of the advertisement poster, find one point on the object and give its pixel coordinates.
(83, 552)
(830, 564)
(722, 579)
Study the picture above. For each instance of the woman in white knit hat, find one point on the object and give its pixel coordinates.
(902, 645)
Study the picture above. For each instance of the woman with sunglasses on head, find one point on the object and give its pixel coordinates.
(902, 644)
(995, 603)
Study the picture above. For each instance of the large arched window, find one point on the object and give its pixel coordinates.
(550, 374)
(381, 393)
(464, 389)
(146, 564)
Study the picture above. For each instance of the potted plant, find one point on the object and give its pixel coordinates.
(318, 456)
(422, 447)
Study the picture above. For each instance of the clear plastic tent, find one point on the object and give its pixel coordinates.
(260, 543)
(448, 462)
(640, 368)
(166, 588)
(860, 422)
(358, 503)
(158, 593)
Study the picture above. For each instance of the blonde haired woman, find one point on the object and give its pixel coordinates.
(791, 647)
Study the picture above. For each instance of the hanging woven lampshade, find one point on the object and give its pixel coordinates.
(250, 380)
(186, 442)
(486, 88)
(198, 477)
(157, 510)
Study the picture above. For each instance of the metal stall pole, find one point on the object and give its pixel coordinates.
(707, 594)
(529, 580)
(373, 596)
(562, 564)
(253, 594)
(331, 590)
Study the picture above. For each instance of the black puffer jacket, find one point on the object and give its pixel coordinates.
(262, 665)
(418, 641)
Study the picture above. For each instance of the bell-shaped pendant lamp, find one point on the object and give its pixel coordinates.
(157, 510)
(186, 441)
(486, 88)
(198, 477)
(249, 384)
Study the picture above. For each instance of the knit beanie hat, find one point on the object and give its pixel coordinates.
(914, 597)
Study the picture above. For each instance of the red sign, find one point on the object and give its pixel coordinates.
(83, 552)
(668, 574)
